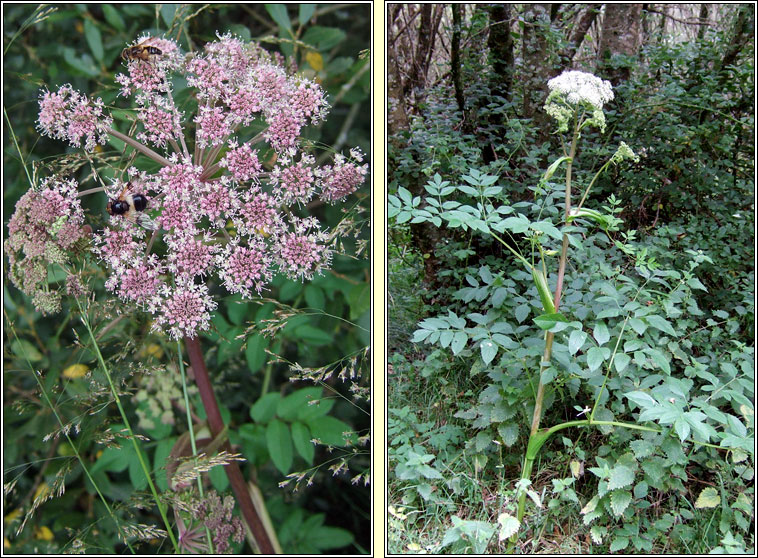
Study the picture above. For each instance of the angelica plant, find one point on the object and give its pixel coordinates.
(205, 202)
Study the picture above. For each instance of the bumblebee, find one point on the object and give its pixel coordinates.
(130, 206)
(143, 51)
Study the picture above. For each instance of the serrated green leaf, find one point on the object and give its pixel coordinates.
(594, 358)
(264, 409)
(509, 526)
(621, 361)
(600, 333)
(576, 340)
(620, 477)
(301, 437)
(279, 445)
(619, 543)
(597, 533)
(642, 448)
(620, 500)
(709, 498)
(488, 350)
(508, 433)
(278, 13)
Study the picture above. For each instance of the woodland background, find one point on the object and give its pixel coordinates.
(466, 86)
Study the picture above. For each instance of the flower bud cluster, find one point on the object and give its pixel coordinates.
(46, 229)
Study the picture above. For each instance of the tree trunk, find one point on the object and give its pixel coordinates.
(535, 64)
(620, 35)
(455, 59)
(582, 26)
(500, 44)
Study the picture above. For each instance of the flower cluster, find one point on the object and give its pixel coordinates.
(575, 89)
(230, 209)
(46, 228)
(209, 512)
(69, 115)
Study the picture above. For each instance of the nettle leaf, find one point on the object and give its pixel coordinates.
(642, 448)
(620, 477)
(509, 526)
(708, 498)
(620, 500)
(597, 533)
(619, 543)
(508, 433)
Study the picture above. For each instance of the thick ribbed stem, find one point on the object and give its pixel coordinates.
(216, 424)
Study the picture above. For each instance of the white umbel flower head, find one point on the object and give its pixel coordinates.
(580, 86)
(573, 89)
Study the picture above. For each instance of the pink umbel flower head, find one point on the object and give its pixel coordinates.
(228, 206)
(70, 116)
(343, 178)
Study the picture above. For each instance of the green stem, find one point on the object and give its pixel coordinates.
(139, 147)
(537, 414)
(121, 410)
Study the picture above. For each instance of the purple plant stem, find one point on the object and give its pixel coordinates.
(216, 424)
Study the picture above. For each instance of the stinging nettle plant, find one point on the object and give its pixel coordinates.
(221, 198)
(566, 361)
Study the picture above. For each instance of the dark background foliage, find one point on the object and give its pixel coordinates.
(81, 45)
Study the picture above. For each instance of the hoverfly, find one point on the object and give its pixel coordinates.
(143, 51)
(131, 207)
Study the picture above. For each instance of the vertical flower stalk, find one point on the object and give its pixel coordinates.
(216, 423)
(578, 97)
